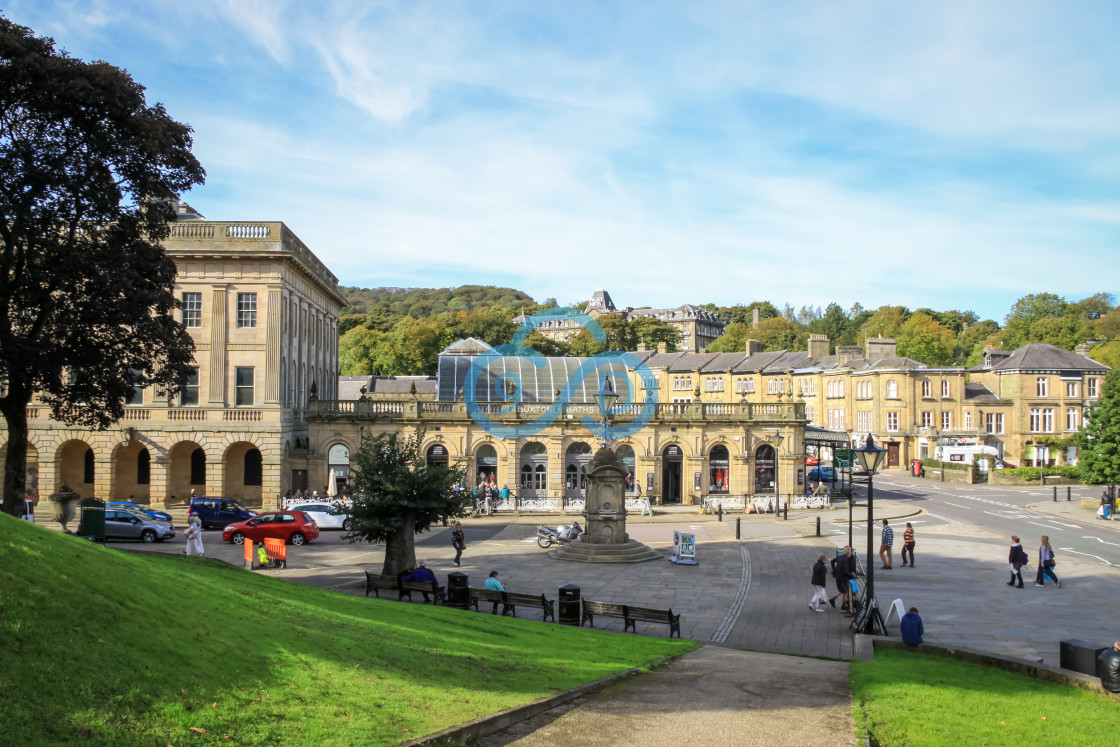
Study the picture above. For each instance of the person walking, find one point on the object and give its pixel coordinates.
(1105, 511)
(819, 581)
(886, 546)
(908, 544)
(1017, 558)
(1046, 563)
(458, 541)
(843, 570)
(194, 536)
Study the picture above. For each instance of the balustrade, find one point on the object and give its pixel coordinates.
(243, 416)
(189, 415)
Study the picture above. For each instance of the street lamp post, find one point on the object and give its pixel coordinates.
(607, 397)
(871, 457)
(778, 438)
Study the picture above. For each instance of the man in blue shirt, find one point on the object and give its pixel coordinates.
(911, 628)
(493, 583)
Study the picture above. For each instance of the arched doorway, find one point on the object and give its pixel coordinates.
(338, 467)
(486, 459)
(437, 456)
(672, 459)
(77, 467)
(719, 463)
(576, 459)
(534, 471)
(626, 458)
(764, 469)
(186, 470)
(132, 472)
(243, 473)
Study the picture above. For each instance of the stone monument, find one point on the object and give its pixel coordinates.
(605, 539)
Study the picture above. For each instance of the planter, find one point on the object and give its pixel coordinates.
(64, 505)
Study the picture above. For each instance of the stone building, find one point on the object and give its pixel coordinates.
(263, 313)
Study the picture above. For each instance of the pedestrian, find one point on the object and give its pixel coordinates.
(1108, 665)
(908, 544)
(819, 581)
(504, 493)
(911, 628)
(458, 541)
(886, 545)
(1017, 558)
(194, 536)
(843, 570)
(1046, 563)
(1105, 511)
(637, 489)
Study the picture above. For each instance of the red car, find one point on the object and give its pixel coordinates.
(294, 527)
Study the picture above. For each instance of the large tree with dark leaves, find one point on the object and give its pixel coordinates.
(395, 493)
(1099, 439)
(89, 174)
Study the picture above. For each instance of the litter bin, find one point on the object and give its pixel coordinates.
(918, 470)
(569, 605)
(92, 524)
(458, 590)
(1079, 656)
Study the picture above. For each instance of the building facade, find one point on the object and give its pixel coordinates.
(263, 313)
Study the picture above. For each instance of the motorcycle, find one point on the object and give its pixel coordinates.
(547, 537)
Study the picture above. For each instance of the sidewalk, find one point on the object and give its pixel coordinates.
(1072, 510)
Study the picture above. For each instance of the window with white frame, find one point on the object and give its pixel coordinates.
(946, 420)
(836, 419)
(863, 422)
(1043, 386)
(927, 418)
(927, 388)
(771, 386)
(892, 389)
(841, 388)
(810, 387)
(944, 388)
(246, 309)
(994, 422)
(192, 310)
(1071, 418)
(189, 396)
(243, 382)
(1091, 387)
(1071, 388)
(781, 386)
(892, 422)
(968, 420)
(812, 416)
(1036, 420)
(1048, 420)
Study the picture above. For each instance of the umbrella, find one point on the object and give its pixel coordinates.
(332, 484)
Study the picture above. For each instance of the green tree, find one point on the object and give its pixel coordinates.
(833, 323)
(395, 493)
(548, 347)
(733, 339)
(653, 331)
(779, 334)
(411, 348)
(1099, 439)
(1045, 317)
(619, 334)
(358, 350)
(887, 321)
(89, 173)
(968, 350)
(347, 322)
(924, 339)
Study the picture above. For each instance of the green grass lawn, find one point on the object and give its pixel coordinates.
(909, 698)
(104, 646)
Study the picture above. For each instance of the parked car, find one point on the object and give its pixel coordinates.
(322, 514)
(812, 461)
(825, 473)
(137, 508)
(123, 524)
(218, 512)
(294, 527)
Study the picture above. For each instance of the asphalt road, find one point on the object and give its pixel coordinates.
(1003, 511)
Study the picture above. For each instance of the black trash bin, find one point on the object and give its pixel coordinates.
(458, 590)
(569, 605)
(1079, 656)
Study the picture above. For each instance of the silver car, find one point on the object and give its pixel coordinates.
(133, 525)
(321, 514)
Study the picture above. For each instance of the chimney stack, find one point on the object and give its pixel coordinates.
(818, 346)
(756, 316)
(753, 347)
(845, 354)
(879, 348)
(1083, 349)
(663, 347)
(642, 347)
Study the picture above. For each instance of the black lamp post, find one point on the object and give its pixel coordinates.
(778, 438)
(870, 457)
(607, 398)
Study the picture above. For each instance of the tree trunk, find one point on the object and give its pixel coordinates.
(14, 409)
(400, 549)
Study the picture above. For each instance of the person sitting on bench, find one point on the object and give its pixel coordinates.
(422, 575)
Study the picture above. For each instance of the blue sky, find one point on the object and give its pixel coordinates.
(950, 154)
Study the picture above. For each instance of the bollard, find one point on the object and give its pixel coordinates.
(570, 605)
(786, 517)
(738, 527)
(719, 511)
(1055, 493)
(1068, 492)
(818, 526)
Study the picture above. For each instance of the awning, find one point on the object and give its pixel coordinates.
(814, 434)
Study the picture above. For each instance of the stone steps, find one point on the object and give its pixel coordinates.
(630, 551)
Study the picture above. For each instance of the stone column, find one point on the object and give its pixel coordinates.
(219, 333)
(272, 347)
(160, 464)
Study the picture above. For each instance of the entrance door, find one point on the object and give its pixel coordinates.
(534, 472)
(576, 459)
(764, 469)
(892, 453)
(671, 466)
(487, 460)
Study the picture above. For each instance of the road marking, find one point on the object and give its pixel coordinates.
(945, 519)
(955, 504)
(1048, 526)
(1072, 526)
(1098, 539)
(1075, 552)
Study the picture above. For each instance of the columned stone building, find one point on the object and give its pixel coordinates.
(263, 313)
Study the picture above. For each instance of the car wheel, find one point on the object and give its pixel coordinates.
(238, 538)
(348, 524)
(148, 536)
(297, 539)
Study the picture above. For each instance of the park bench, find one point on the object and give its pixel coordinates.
(509, 601)
(376, 583)
(630, 615)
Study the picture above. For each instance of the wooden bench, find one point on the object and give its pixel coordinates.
(376, 583)
(510, 599)
(630, 615)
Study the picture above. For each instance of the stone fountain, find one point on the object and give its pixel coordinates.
(605, 539)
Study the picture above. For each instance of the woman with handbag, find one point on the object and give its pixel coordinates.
(1046, 563)
(1017, 559)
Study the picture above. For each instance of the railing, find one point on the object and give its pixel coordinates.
(243, 416)
(762, 504)
(248, 231)
(32, 413)
(192, 230)
(190, 415)
(141, 413)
